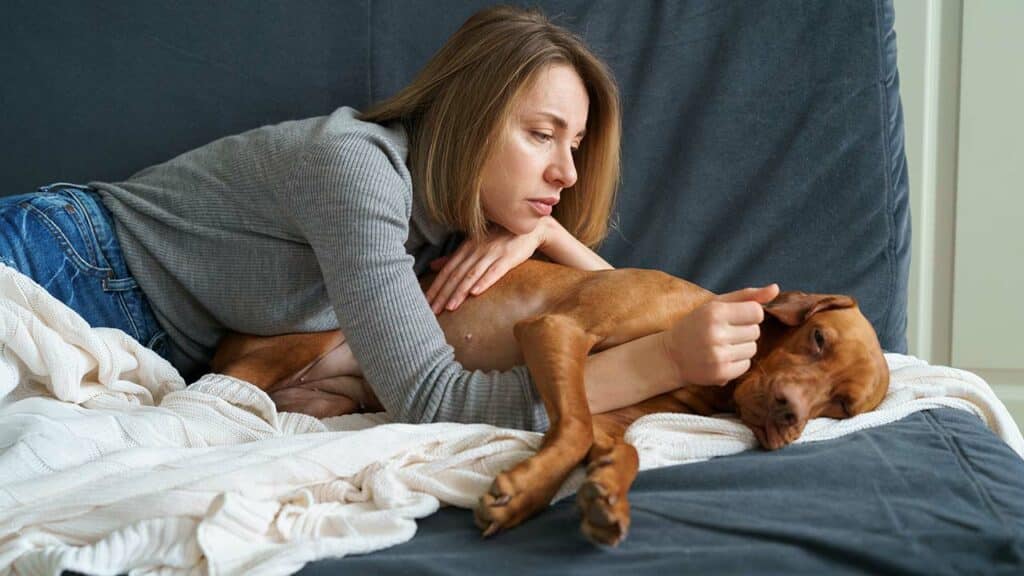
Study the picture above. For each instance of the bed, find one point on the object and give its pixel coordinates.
(762, 143)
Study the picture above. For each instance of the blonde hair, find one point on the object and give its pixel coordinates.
(457, 107)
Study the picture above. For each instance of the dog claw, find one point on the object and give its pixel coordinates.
(502, 501)
(491, 530)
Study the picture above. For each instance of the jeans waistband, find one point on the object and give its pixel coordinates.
(87, 200)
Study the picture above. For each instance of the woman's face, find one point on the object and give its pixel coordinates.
(533, 159)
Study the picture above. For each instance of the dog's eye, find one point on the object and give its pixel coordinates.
(819, 340)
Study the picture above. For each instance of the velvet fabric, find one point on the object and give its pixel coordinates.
(763, 141)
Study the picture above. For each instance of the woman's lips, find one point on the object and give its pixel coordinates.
(541, 208)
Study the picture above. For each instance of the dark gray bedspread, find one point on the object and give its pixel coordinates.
(934, 493)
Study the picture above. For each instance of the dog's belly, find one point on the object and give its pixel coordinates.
(485, 346)
(482, 329)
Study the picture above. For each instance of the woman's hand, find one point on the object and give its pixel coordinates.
(715, 343)
(476, 265)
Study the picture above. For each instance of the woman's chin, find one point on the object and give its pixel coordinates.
(521, 226)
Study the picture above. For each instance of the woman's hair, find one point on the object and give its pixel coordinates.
(457, 107)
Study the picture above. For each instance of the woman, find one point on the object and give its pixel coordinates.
(510, 135)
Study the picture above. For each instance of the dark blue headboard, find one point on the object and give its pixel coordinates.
(763, 141)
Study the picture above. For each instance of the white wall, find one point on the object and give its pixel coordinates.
(962, 85)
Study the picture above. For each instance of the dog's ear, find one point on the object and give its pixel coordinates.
(794, 308)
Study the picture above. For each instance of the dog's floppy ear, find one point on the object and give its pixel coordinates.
(793, 308)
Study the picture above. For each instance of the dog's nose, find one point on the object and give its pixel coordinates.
(787, 408)
(783, 411)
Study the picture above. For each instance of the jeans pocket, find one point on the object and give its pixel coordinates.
(69, 223)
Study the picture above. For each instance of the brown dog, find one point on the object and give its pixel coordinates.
(817, 356)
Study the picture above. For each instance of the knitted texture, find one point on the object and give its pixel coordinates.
(306, 226)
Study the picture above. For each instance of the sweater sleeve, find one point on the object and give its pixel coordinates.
(352, 199)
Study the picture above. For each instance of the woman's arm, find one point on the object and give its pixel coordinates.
(615, 378)
(350, 200)
(629, 373)
(708, 347)
(562, 247)
(690, 352)
(477, 264)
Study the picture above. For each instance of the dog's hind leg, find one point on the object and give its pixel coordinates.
(603, 498)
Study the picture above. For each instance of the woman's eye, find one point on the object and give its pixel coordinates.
(543, 137)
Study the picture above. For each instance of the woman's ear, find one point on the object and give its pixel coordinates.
(793, 308)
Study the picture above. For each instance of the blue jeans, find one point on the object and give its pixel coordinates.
(63, 237)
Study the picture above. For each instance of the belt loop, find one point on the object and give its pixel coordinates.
(119, 284)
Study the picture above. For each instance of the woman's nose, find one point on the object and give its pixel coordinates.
(562, 170)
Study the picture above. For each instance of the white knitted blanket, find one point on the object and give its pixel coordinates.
(108, 464)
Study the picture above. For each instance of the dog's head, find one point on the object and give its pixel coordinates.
(817, 356)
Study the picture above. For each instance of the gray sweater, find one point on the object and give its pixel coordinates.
(305, 226)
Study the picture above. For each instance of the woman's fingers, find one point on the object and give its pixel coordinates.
(761, 295)
(497, 270)
(440, 282)
(450, 263)
(743, 334)
(744, 307)
(473, 275)
(717, 342)
(446, 297)
(734, 370)
(743, 313)
(727, 362)
(438, 263)
(477, 265)
(740, 352)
